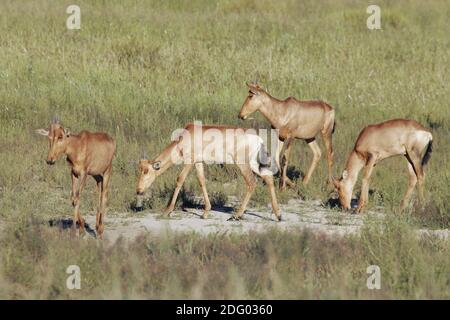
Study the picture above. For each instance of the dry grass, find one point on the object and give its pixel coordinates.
(270, 265)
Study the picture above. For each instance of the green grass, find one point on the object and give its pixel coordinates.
(140, 69)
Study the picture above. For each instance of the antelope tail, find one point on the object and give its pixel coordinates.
(267, 163)
(427, 155)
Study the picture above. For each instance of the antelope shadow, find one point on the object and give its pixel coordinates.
(334, 202)
(294, 174)
(64, 224)
(225, 210)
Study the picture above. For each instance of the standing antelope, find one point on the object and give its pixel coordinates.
(294, 119)
(191, 147)
(380, 141)
(87, 154)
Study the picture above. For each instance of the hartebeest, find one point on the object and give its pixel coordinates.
(380, 141)
(87, 154)
(198, 144)
(294, 119)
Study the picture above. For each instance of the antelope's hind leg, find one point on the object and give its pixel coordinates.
(312, 143)
(99, 225)
(327, 136)
(411, 184)
(416, 161)
(268, 179)
(250, 180)
(285, 153)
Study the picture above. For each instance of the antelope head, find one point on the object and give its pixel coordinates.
(58, 139)
(255, 99)
(148, 171)
(344, 190)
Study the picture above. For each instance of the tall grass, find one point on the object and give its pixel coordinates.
(269, 265)
(140, 69)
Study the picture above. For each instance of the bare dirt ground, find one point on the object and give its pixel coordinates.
(296, 215)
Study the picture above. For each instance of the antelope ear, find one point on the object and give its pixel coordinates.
(157, 165)
(67, 132)
(345, 174)
(255, 86)
(43, 132)
(252, 86)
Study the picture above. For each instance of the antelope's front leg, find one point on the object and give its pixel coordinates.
(180, 180)
(76, 202)
(103, 197)
(365, 184)
(202, 181)
(268, 179)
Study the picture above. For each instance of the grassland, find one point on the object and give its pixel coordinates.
(140, 69)
(269, 265)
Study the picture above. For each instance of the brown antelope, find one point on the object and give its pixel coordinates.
(191, 148)
(87, 154)
(294, 119)
(380, 141)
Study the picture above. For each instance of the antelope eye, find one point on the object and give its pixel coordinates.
(60, 137)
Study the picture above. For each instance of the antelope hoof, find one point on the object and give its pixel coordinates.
(168, 211)
(360, 207)
(100, 235)
(81, 230)
(279, 217)
(205, 215)
(290, 183)
(100, 228)
(73, 231)
(234, 218)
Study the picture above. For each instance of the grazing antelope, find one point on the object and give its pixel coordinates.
(191, 148)
(294, 119)
(87, 154)
(380, 141)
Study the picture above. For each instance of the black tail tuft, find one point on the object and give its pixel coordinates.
(264, 157)
(427, 155)
(334, 127)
